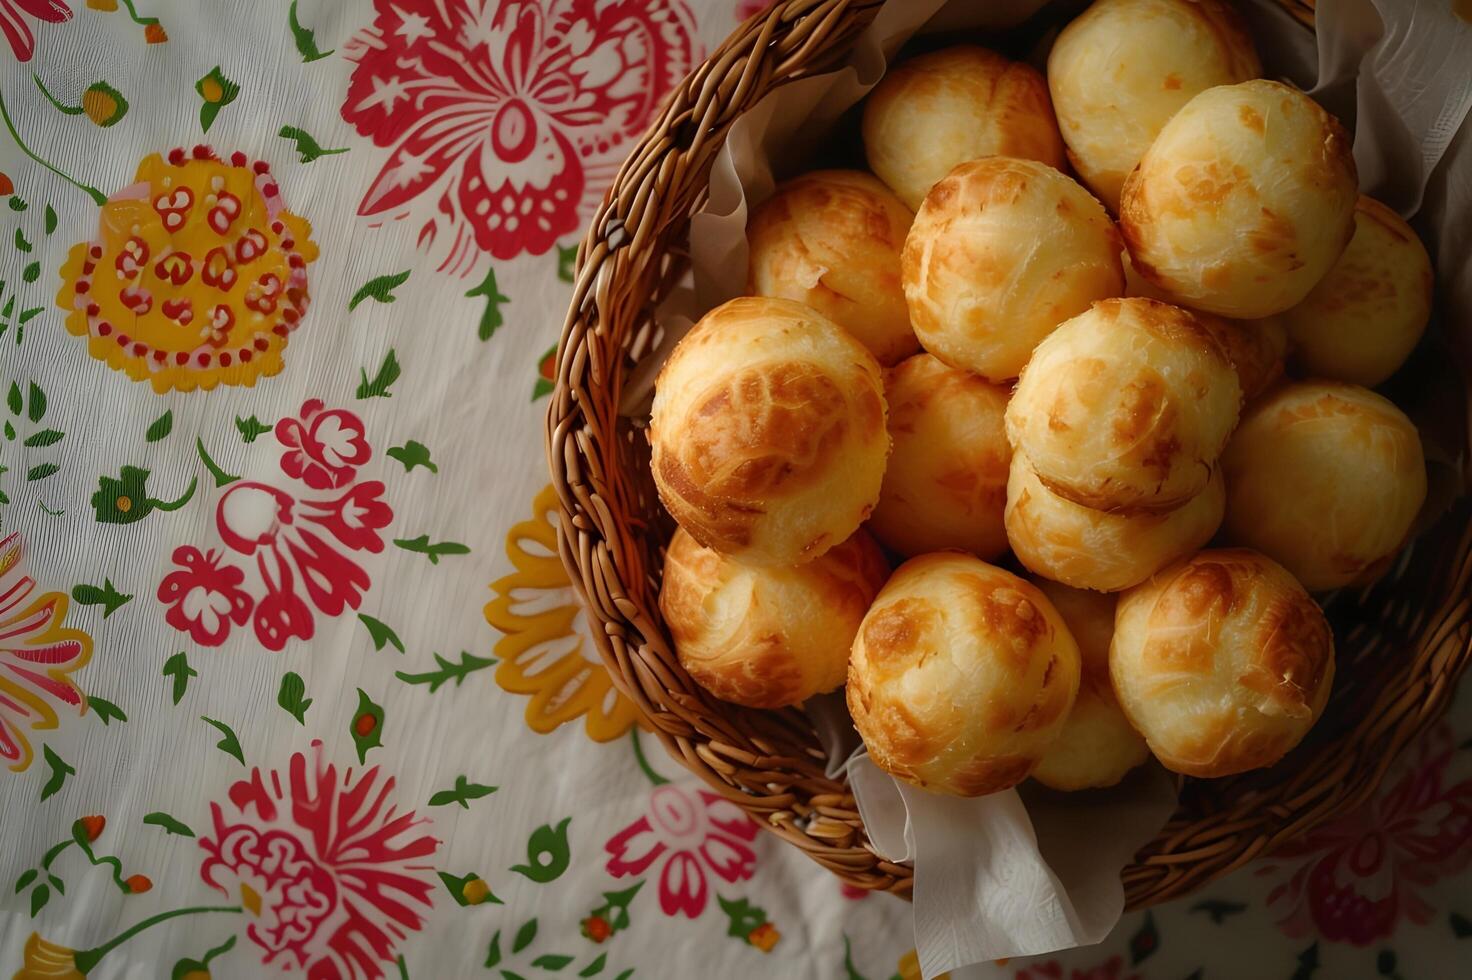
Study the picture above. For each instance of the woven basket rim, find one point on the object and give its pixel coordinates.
(769, 762)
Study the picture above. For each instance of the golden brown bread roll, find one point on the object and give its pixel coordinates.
(1102, 550)
(946, 482)
(1122, 68)
(1243, 202)
(1364, 318)
(831, 239)
(768, 432)
(937, 110)
(1126, 407)
(961, 675)
(1097, 746)
(1326, 478)
(768, 637)
(1001, 252)
(1256, 348)
(1222, 661)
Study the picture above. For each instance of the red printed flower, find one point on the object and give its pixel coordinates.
(506, 116)
(300, 545)
(204, 596)
(38, 654)
(328, 871)
(323, 448)
(747, 8)
(1352, 880)
(686, 830)
(1110, 969)
(18, 32)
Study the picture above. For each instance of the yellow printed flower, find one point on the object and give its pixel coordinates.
(38, 653)
(45, 960)
(198, 275)
(543, 653)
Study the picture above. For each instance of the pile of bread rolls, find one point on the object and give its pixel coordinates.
(1084, 357)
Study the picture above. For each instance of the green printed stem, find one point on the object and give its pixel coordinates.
(177, 503)
(87, 959)
(97, 196)
(54, 853)
(133, 13)
(70, 110)
(221, 477)
(654, 777)
(106, 859)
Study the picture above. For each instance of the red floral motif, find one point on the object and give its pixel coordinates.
(204, 598)
(1110, 969)
(18, 32)
(1353, 879)
(746, 8)
(323, 448)
(506, 116)
(329, 873)
(686, 831)
(38, 654)
(300, 544)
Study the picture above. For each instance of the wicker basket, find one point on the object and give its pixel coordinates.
(1401, 646)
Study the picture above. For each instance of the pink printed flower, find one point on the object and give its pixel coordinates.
(328, 872)
(18, 32)
(506, 116)
(38, 654)
(1110, 969)
(686, 830)
(204, 596)
(323, 448)
(1351, 880)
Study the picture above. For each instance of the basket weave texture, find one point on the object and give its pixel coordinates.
(1401, 646)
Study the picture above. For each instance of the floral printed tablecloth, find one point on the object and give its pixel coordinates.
(291, 679)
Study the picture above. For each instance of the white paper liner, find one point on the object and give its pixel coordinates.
(1013, 874)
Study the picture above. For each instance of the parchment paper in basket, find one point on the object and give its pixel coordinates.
(990, 881)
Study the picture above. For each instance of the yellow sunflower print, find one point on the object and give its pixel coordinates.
(544, 652)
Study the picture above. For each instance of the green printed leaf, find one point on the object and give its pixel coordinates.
(108, 597)
(366, 728)
(594, 968)
(433, 551)
(222, 478)
(1218, 909)
(26, 316)
(25, 879)
(13, 399)
(18, 204)
(124, 499)
(1461, 925)
(217, 91)
(381, 633)
(229, 744)
(525, 936)
(21, 243)
(160, 819)
(188, 967)
(848, 962)
(447, 671)
(50, 219)
(44, 438)
(380, 288)
(306, 42)
(292, 697)
(1308, 963)
(378, 387)
(546, 374)
(35, 402)
(625, 975)
(39, 898)
(41, 471)
(251, 428)
(105, 710)
(403, 969)
(491, 319)
(468, 889)
(413, 454)
(178, 668)
(463, 793)
(551, 961)
(547, 853)
(56, 883)
(567, 256)
(31, 273)
(59, 771)
(615, 908)
(161, 427)
(493, 958)
(744, 917)
(306, 147)
(1145, 941)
